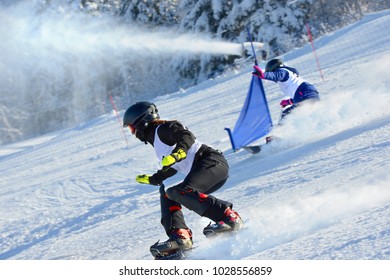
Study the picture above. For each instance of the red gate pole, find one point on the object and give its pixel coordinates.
(314, 50)
(119, 119)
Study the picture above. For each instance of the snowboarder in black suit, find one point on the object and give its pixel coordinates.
(205, 170)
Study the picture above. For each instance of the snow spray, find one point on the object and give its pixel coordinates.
(59, 65)
(58, 61)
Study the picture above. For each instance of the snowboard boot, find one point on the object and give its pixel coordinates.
(231, 222)
(269, 139)
(179, 240)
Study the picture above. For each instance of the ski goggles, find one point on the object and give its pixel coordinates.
(132, 128)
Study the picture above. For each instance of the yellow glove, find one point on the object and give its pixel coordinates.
(143, 179)
(147, 179)
(173, 158)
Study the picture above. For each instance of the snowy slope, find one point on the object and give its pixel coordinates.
(323, 192)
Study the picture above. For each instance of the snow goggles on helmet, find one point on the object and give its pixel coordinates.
(132, 128)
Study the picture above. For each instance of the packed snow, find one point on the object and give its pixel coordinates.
(320, 192)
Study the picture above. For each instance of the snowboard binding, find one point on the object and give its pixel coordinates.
(175, 247)
(169, 255)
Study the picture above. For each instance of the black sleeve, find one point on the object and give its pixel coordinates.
(173, 132)
(158, 177)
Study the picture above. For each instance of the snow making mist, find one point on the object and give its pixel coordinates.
(59, 65)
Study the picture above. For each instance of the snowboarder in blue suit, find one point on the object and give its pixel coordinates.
(296, 88)
(205, 169)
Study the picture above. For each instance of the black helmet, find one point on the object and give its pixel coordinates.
(273, 64)
(139, 114)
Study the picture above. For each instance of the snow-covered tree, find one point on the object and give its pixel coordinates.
(155, 12)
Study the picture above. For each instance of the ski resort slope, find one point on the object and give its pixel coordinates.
(321, 192)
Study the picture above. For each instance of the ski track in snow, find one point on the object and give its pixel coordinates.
(320, 193)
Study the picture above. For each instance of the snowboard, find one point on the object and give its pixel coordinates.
(173, 255)
(183, 254)
(255, 149)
